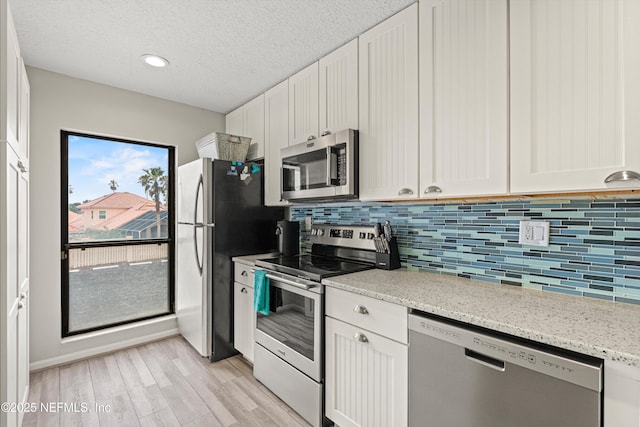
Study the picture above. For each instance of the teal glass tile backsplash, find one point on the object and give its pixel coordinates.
(594, 246)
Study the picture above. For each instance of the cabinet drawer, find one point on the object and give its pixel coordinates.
(242, 274)
(381, 317)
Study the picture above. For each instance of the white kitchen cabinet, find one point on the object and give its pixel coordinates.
(366, 377)
(338, 94)
(303, 105)
(388, 108)
(14, 222)
(463, 97)
(575, 95)
(253, 123)
(244, 317)
(12, 65)
(366, 360)
(234, 122)
(276, 137)
(248, 121)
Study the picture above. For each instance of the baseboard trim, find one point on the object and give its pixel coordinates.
(95, 351)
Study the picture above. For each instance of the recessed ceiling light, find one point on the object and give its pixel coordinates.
(155, 60)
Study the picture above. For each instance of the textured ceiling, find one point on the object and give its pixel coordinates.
(222, 52)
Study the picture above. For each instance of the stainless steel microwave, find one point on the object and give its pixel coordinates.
(322, 169)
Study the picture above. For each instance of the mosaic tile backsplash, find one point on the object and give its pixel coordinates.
(594, 245)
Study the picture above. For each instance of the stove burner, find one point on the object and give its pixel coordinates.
(314, 267)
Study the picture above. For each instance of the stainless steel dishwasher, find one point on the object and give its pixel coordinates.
(466, 377)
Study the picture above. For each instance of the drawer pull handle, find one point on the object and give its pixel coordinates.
(432, 189)
(243, 290)
(244, 273)
(360, 337)
(405, 191)
(361, 309)
(622, 176)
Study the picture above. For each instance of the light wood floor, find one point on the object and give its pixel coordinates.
(165, 383)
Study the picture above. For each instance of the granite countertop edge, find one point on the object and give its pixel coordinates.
(379, 285)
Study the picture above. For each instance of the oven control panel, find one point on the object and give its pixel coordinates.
(348, 236)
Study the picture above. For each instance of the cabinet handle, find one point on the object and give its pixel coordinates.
(361, 309)
(405, 191)
(325, 133)
(20, 305)
(244, 273)
(23, 296)
(433, 189)
(21, 166)
(311, 137)
(622, 176)
(243, 290)
(360, 337)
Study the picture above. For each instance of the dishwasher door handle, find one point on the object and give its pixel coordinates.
(485, 360)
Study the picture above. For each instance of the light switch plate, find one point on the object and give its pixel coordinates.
(534, 233)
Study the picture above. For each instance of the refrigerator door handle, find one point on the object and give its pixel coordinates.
(196, 225)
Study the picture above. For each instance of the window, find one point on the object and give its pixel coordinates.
(118, 265)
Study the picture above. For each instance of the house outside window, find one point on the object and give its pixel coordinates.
(118, 266)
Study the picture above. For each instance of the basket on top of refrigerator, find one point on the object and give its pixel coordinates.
(222, 146)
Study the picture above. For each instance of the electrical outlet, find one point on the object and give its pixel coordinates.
(534, 233)
(307, 222)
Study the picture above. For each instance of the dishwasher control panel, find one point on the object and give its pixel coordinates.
(496, 352)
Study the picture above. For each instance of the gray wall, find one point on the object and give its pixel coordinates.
(63, 102)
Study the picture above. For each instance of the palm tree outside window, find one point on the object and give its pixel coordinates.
(117, 264)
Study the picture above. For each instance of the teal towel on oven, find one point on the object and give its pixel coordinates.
(261, 292)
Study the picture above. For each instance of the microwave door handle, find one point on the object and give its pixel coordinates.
(329, 162)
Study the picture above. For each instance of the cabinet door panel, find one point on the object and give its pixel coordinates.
(366, 382)
(339, 89)
(463, 97)
(13, 86)
(234, 122)
(23, 119)
(243, 320)
(388, 108)
(573, 105)
(253, 120)
(303, 104)
(276, 109)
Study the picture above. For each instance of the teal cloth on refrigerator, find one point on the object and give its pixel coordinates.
(261, 292)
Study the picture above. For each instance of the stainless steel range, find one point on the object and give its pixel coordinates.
(289, 355)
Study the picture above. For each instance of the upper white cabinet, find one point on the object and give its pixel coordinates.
(303, 105)
(23, 115)
(575, 93)
(13, 64)
(463, 97)
(253, 122)
(388, 108)
(276, 137)
(234, 122)
(248, 120)
(338, 96)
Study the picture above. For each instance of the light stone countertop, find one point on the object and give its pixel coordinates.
(251, 259)
(598, 328)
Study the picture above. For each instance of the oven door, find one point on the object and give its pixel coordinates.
(293, 329)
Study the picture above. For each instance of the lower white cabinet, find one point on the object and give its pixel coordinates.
(621, 394)
(244, 318)
(366, 361)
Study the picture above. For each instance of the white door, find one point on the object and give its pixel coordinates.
(13, 86)
(366, 377)
(575, 93)
(193, 242)
(303, 105)
(338, 94)
(276, 112)
(463, 98)
(253, 126)
(388, 115)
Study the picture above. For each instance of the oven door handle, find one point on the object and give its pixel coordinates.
(289, 282)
